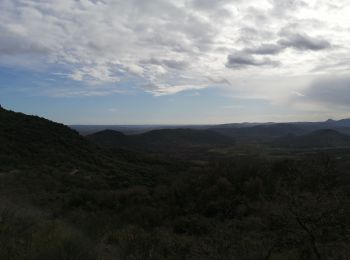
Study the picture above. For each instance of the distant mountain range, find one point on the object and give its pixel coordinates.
(130, 129)
(158, 137)
(317, 139)
(270, 131)
(164, 139)
(238, 130)
(260, 132)
(329, 122)
(38, 139)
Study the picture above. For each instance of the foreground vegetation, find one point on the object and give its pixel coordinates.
(62, 197)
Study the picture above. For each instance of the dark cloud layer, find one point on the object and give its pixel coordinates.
(301, 42)
(265, 49)
(209, 5)
(172, 64)
(281, 7)
(334, 91)
(304, 42)
(241, 60)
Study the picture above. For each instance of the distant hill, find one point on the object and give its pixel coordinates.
(317, 139)
(260, 133)
(343, 123)
(242, 132)
(185, 136)
(130, 129)
(266, 132)
(212, 135)
(319, 125)
(160, 139)
(109, 138)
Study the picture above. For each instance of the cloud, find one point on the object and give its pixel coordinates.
(219, 8)
(265, 49)
(219, 80)
(304, 42)
(330, 91)
(208, 4)
(280, 8)
(170, 63)
(14, 40)
(298, 93)
(163, 90)
(247, 56)
(174, 45)
(242, 60)
(95, 74)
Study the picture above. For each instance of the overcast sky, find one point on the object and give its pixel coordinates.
(175, 61)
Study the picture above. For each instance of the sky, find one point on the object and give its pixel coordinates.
(176, 61)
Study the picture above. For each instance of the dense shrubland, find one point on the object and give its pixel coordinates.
(238, 209)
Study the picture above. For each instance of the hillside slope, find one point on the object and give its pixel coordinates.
(33, 140)
(34, 144)
(59, 191)
(160, 140)
(260, 133)
(317, 139)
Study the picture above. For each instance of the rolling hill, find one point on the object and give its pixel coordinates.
(317, 139)
(160, 140)
(241, 132)
(33, 144)
(260, 133)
